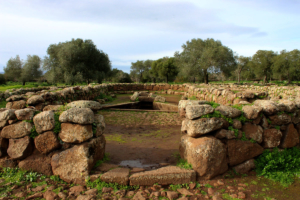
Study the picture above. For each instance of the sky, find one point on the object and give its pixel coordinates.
(131, 30)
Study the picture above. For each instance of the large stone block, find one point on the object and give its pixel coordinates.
(46, 142)
(196, 128)
(272, 138)
(269, 107)
(16, 130)
(290, 137)
(94, 105)
(163, 176)
(207, 155)
(253, 131)
(25, 114)
(78, 116)
(44, 121)
(73, 165)
(118, 175)
(75, 133)
(196, 111)
(240, 151)
(19, 149)
(36, 99)
(99, 121)
(252, 112)
(229, 111)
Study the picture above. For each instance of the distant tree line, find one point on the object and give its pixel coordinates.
(78, 61)
(204, 60)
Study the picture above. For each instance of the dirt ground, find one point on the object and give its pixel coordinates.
(150, 137)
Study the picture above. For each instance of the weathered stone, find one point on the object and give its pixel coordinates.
(195, 128)
(272, 138)
(46, 142)
(240, 151)
(53, 108)
(75, 133)
(252, 112)
(237, 124)
(290, 137)
(196, 111)
(184, 191)
(16, 130)
(3, 146)
(37, 162)
(253, 131)
(7, 115)
(184, 103)
(25, 114)
(229, 111)
(280, 119)
(94, 105)
(3, 123)
(77, 115)
(74, 164)
(290, 106)
(99, 121)
(15, 98)
(134, 96)
(207, 155)
(163, 176)
(50, 195)
(104, 167)
(160, 99)
(228, 134)
(269, 107)
(44, 121)
(118, 175)
(86, 197)
(172, 195)
(296, 117)
(7, 162)
(245, 167)
(36, 99)
(19, 149)
(16, 105)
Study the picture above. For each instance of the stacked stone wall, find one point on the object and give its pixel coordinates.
(220, 137)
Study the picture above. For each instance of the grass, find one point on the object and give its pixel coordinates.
(3, 104)
(281, 166)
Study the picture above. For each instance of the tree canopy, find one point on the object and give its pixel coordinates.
(13, 69)
(139, 70)
(31, 69)
(164, 68)
(67, 61)
(204, 56)
(262, 62)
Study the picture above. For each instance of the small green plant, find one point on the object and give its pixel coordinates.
(277, 127)
(193, 98)
(175, 187)
(99, 184)
(217, 114)
(236, 131)
(269, 121)
(57, 126)
(208, 185)
(253, 141)
(31, 176)
(239, 107)
(104, 159)
(94, 127)
(213, 104)
(33, 132)
(280, 166)
(244, 138)
(184, 164)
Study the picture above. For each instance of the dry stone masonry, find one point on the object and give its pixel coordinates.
(68, 140)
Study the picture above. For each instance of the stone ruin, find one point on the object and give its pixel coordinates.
(215, 138)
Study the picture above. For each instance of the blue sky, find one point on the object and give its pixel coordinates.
(150, 29)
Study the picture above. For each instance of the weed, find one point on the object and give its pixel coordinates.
(94, 127)
(175, 187)
(33, 132)
(279, 166)
(208, 185)
(277, 127)
(203, 192)
(193, 98)
(31, 176)
(184, 164)
(239, 107)
(236, 131)
(213, 104)
(104, 159)
(227, 196)
(217, 114)
(57, 126)
(269, 121)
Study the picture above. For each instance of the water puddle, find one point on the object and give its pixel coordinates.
(137, 164)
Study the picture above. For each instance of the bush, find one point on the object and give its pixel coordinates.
(279, 166)
(2, 79)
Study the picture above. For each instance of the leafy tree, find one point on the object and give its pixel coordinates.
(164, 67)
(2, 79)
(76, 58)
(13, 69)
(204, 56)
(287, 64)
(31, 69)
(139, 70)
(242, 63)
(262, 62)
(118, 76)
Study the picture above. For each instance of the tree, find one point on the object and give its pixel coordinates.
(31, 69)
(262, 62)
(139, 69)
(2, 79)
(204, 56)
(13, 69)
(164, 67)
(242, 63)
(76, 58)
(287, 64)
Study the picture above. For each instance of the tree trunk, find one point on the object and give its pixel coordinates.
(194, 79)
(88, 81)
(239, 77)
(24, 82)
(265, 79)
(167, 78)
(289, 80)
(205, 77)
